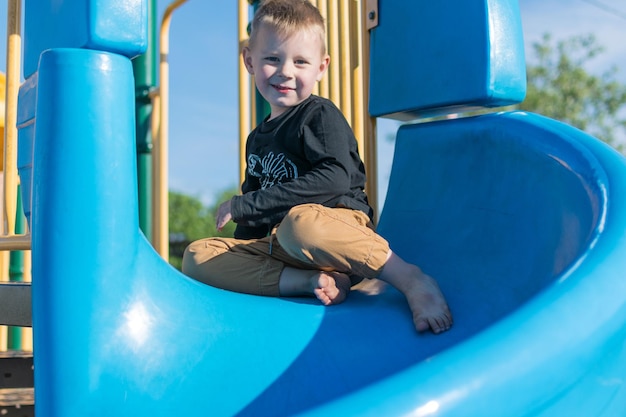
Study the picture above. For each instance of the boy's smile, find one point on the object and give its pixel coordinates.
(281, 88)
(286, 67)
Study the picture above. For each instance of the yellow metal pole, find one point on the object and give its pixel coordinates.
(344, 60)
(14, 49)
(323, 86)
(13, 60)
(316, 87)
(160, 152)
(358, 98)
(4, 256)
(334, 51)
(370, 150)
(27, 332)
(245, 90)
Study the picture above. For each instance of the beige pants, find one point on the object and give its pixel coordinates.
(311, 236)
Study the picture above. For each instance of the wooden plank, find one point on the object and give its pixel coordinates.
(18, 402)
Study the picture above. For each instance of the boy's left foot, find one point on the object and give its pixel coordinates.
(429, 308)
(331, 287)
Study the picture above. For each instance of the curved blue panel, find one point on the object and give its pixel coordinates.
(119, 26)
(433, 57)
(519, 217)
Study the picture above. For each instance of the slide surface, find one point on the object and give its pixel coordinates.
(519, 217)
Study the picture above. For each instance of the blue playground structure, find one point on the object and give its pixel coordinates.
(520, 218)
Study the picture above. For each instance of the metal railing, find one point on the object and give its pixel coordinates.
(160, 126)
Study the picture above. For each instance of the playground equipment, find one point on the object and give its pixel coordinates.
(16, 376)
(519, 217)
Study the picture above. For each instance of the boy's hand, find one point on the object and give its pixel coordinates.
(223, 215)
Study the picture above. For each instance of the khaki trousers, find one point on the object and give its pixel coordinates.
(311, 236)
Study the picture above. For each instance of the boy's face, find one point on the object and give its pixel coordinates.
(285, 68)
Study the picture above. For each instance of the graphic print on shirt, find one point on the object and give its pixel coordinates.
(271, 169)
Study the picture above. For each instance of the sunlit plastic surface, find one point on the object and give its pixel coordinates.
(118, 26)
(433, 57)
(519, 217)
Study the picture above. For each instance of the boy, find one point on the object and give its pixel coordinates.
(303, 221)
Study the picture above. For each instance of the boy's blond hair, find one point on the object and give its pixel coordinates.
(287, 17)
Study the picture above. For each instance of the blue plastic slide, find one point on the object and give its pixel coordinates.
(520, 218)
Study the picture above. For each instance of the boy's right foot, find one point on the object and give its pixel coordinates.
(331, 287)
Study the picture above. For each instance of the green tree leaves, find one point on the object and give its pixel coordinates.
(560, 87)
(190, 220)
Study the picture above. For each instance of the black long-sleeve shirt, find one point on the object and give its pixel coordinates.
(306, 155)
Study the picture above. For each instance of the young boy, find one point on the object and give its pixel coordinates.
(303, 221)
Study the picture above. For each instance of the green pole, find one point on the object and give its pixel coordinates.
(263, 107)
(145, 71)
(16, 272)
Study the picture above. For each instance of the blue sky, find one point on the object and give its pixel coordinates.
(203, 48)
(203, 81)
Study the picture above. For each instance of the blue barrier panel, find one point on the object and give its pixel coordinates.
(119, 26)
(433, 57)
(521, 219)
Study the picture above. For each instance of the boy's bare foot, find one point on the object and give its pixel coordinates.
(429, 308)
(331, 287)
